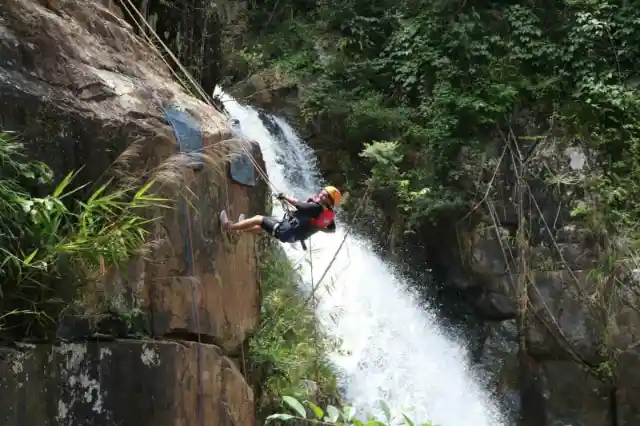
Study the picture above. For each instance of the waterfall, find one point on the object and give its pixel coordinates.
(393, 346)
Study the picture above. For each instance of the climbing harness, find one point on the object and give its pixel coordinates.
(128, 5)
(288, 217)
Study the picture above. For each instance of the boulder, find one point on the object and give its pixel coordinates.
(84, 92)
(561, 321)
(498, 297)
(498, 357)
(628, 388)
(572, 396)
(126, 383)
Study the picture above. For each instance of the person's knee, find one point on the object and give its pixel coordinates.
(257, 219)
(254, 220)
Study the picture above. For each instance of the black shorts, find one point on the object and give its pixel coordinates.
(283, 232)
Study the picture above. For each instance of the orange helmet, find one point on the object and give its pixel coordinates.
(334, 194)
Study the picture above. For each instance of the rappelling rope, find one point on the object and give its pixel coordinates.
(196, 316)
(128, 5)
(188, 243)
(314, 287)
(204, 96)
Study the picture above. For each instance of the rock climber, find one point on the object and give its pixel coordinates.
(317, 214)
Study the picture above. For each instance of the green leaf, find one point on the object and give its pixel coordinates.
(332, 414)
(62, 186)
(317, 411)
(29, 258)
(295, 405)
(387, 410)
(282, 416)
(407, 420)
(348, 413)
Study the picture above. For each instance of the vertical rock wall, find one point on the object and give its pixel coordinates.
(558, 331)
(81, 89)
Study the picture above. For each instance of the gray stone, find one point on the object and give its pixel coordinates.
(489, 250)
(498, 300)
(572, 396)
(560, 322)
(125, 383)
(628, 388)
(499, 359)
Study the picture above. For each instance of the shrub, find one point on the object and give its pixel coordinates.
(331, 415)
(53, 244)
(287, 354)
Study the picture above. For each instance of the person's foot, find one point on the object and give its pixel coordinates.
(224, 221)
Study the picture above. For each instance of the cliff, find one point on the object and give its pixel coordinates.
(85, 93)
(547, 291)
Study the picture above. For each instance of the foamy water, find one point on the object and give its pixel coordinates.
(393, 348)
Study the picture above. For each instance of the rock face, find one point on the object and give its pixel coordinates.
(126, 383)
(559, 330)
(84, 92)
(191, 29)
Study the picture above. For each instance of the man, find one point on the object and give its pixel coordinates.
(317, 214)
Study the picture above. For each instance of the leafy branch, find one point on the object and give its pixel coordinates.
(333, 416)
(51, 245)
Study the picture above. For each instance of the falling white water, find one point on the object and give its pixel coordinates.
(393, 348)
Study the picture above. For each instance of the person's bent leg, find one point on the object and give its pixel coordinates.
(269, 224)
(256, 229)
(247, 224)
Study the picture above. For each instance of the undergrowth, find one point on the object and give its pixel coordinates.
(287, 354)
(53, 241)
(334, 416)
(422, 90)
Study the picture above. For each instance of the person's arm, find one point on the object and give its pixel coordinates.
(312, 210)
(288, 199)
(330, 229)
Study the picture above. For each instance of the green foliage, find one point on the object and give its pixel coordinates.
(287, 354)
(332, 415)
(439, 81)
(53, 244)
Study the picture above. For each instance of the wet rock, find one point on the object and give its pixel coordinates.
(576, 256)
(625, 329)
(128, 383)
(273, 90)
(499, 359)
(498, 298)
(628, 388)
(572, 396)
(561, 325)
(491, 252)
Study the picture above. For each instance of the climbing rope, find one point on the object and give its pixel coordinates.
(314, 287)
(137, 17)
(194, 307)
